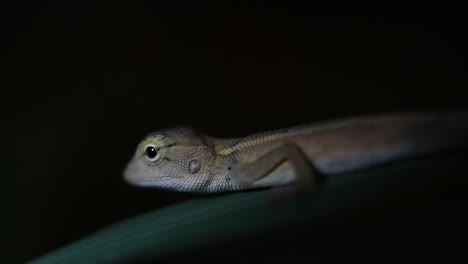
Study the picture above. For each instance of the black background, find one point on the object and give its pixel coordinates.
(85, 81)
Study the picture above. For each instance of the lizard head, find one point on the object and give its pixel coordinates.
(176, 159)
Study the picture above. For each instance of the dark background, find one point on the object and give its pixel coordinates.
(85, 81)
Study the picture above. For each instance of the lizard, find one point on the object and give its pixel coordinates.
(182, 159)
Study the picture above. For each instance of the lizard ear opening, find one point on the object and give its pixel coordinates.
(194, 166)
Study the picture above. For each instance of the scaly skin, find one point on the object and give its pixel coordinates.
(187, 161)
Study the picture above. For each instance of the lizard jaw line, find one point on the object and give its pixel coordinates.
(154, 182)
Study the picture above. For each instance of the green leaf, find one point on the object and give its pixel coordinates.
(203, 222)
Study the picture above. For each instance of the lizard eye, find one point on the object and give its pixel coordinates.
(152, 153)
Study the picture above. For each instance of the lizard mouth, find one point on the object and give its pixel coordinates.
(137, 174)
(145, 182)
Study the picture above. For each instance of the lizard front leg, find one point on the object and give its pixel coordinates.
(257, 173)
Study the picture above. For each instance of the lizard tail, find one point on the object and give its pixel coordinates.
(370, 141)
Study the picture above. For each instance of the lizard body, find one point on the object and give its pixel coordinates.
(181, 159)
